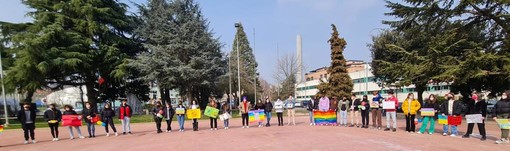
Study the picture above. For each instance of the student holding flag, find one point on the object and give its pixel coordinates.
(53, 116)
(27, 119)
(268, 107)
(180, 117)
(69, 111)
(451, 108)
(260, 106)
(226, 110)
(157, 113)
(125, 113)
(410, 107)
(278, 105)
(430, 103)
(194, 105)
(354, 109)
(168, 112)
(501, 111)
(89, 114)
(244, 107)
(475, 106)
(213, 121)
(107, 117)
(291, 113)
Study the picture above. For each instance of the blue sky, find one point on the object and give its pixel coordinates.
(278, 22)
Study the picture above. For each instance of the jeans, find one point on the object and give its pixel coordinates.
(393, 117)
(214, 122)
(225, 122)
(244, 117)
(268, 117)
(410, 126)
(343, 117)
(426, 120)
(376, 117)
(126, 124)
(364, 117)
(311, 117)
(291, 113)
(504, 132)
(54, 129)
(91, 128)
(28, 128)
(180, 119)
(454, 129)
(354, 115)
(169, 124)
(280, 118)
(109, 121)
(71, 133)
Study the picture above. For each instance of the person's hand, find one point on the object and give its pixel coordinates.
(483, 118)
(443, 114)
(454, 115)
(494, 118)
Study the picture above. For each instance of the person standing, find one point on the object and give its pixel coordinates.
(213, 121)
(89, 114)
(375, 107)
(244, 107)
(107, 117)
(180, 117)
(194, 105)
(410, 107)
(365, 105)
(324, 103)
(391, 113)
(260, 106)
(475, 106)
(157, 113)
(27, 119)
(268, 108)
(312, 105)
(69, 111)
(278, 105)
(168, 113)
(431, 103)
(501, 111)
(226, 110)
(451, 108)
(125, 113)
(291, 113)
(333, 105)
(343, 107)
(53, 116)
(354, 109)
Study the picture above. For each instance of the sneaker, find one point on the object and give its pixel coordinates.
(352, 125)
(71, 138)
(483, 138)
(444, 134)
(107, 134)
(26, 142)
(419, 133)
(33, 141)
(387, 129)
(453, 135)
(314, 124)
(379, 128)
(247, 126)
(430, 133)
(123, 133)
(215, 129)
(212, 129)
(465, 136)
(116, 134)
(411, 132)
(502, 141)
(56, 139)
(311, 124)
(394, 130)
(129, 133)
(81, 137)
(53, 139)
(244, 126)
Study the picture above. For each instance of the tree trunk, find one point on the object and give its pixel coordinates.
(91, 93)
(420, 88)
(167, 96)
(189, 95)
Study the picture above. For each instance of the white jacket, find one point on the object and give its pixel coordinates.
(278, 106)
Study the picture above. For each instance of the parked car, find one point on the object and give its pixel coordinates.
(490, 105)
(298, 104)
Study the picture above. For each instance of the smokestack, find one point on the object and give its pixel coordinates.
(299, 76)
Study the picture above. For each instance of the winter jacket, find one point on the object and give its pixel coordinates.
(344, 105)
(479, 107)
(125, 111)
(260, 106)
(394, 99)
(410, 107)
(434, 105)
(333, 105)
(155, 110)
(324, 104)
(22, 117)
(88, 112)
(52, 115)
(377, 99)
(167, 110)
(502, 107)
(70, 112)
(355, 104)
(107, 114)
(278, 105)
(244, 110)
(457, 108)
(290, 104)
(365, 103)
(268, 107)
(225, 108)
(312, 105)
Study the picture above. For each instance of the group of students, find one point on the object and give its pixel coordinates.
(411, 107)
(53, 117)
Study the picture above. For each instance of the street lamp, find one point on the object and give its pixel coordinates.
(3, 91)
(237, 25)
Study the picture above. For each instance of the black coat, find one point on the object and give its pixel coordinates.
(357, 102)
(268, 107)
(434, 105)
(53, 115)
(107, 114)
(312, 105)
(70, 112)
(88, 112)
(172, 112)
(260, 106)
(502, 107)
(479, 107)
(23, 119)
(457, 108)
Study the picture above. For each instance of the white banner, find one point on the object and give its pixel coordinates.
(474, 118)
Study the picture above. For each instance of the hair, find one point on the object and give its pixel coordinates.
(434, 96)
(26, 104)
(68, 106)
(158, 103)
(391, 92)
(52, 104)
(353, 94)
(365, 96)
(107, 104)
(409, 94)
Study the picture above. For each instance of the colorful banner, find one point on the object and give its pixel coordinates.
(442, 119)
(503, 123)
(256, 116)
(428, 112)
(474, 118)
(211, 112)
(96, 119)
(1, 129)
(324, 118)
(194, 114)
(454, 120)
(388, 105)
(71, 120)
(179, 111)
(374, 105)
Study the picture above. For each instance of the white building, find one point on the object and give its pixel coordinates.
(364, 83)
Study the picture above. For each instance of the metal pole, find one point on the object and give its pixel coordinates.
(238, 64)
(254, 68)
(366, 79)
(3, 91)
(229, 85)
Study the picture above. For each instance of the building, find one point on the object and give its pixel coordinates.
(364, 83)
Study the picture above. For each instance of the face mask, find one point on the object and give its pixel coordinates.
(411, 98)
(431, 98)
(503, 97)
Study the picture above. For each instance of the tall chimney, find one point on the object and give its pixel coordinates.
(299, 76)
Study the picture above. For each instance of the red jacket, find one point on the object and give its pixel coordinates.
(396, 103)
(125, 111)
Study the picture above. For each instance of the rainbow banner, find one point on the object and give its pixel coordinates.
(503, 123)
(324, 118)
(1, 129)
(256, 116)
(428, 112)
(442, 119)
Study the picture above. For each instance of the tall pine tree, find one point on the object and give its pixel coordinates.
(248, 67)
(339, 83)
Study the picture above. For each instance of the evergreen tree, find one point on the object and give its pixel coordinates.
(248, 64)
(339, 83)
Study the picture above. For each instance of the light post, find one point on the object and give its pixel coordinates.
(3, 91)
(254, 69)
(237, 25)
(366, 78)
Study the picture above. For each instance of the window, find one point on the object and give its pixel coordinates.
(446, 87)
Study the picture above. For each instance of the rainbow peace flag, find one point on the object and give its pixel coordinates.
(256, 116)
(325, 118)
(1, 129)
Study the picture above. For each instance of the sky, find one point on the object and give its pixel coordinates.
(276, 23)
